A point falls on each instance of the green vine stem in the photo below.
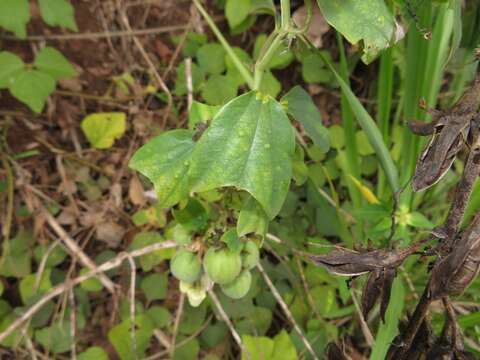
(262, 63)
(246, 74)
(285, 14)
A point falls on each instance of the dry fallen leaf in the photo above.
(136, 192)
(318, 25)
(110, 232)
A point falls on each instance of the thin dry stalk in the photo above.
(160, 83)
(188, 77)
(73, 324)
(178, 317)
(76, 251)
(60, 289)
(286, 310)
(367, 334)
(133, 274)
(225, 318)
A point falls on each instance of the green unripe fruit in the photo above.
(239, 287)
(185, 266)
(250, 255)
(222, 266)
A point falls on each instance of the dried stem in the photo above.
(60, 289)
(225, 317)
(286, 310)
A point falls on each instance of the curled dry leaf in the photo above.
(379, 286)
(454, 273)
(449, 130)
(136, 192)
(110, 232)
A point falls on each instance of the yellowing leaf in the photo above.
(101, 129)
(367, 194)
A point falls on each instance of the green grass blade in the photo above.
(368, 125)
(353, 165)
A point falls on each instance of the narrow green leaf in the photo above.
(14, 16)
(51, 61)
(371, 130)
(101, 129)
(165, 161)
(387, 331)
(303, 109)
(249, 145)
(10, 66)
(32, 87)
(58, 13)
(252, 218)
(367, 21)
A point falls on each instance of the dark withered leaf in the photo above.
(388, 277)
(334, 352)
(372, 291)
(351, 263)
(421, 128)
(440, 353)
(453, 274)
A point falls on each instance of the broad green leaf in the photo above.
(18, 262)
(27, 285)
(418, 220)
(165, 161)
(387, 331)
(193, 216)
(211, 58)
(14, 16)
(252, 218)
(368, 21)
(363, 146)
(32, 87)
(283, 347)
(237, 11)
(10, 66)
(51, 61)
(56, 338)
(101, 129)
(160, 316)
(54, 257)
(370, 128)
(249, 145)
(302, 108)
(201, 113)
(256, 322)
(121, 338)
(214, 334)
(188, 351)
(58, 13)
(258, 347)
(219, 89)
(93, 353)
(154, 286)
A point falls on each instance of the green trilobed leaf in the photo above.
(10, 66)
(32, 87)
(51, 61)
(368, 21)
(249, 145)
(165, 161)
(14, 16)
(58, 13)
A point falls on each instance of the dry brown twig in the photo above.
(60, 289)
(225, 318)
(178, 317)
(286, 310)
(76, 251)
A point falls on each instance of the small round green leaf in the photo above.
(101, 129)
(219, 89)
